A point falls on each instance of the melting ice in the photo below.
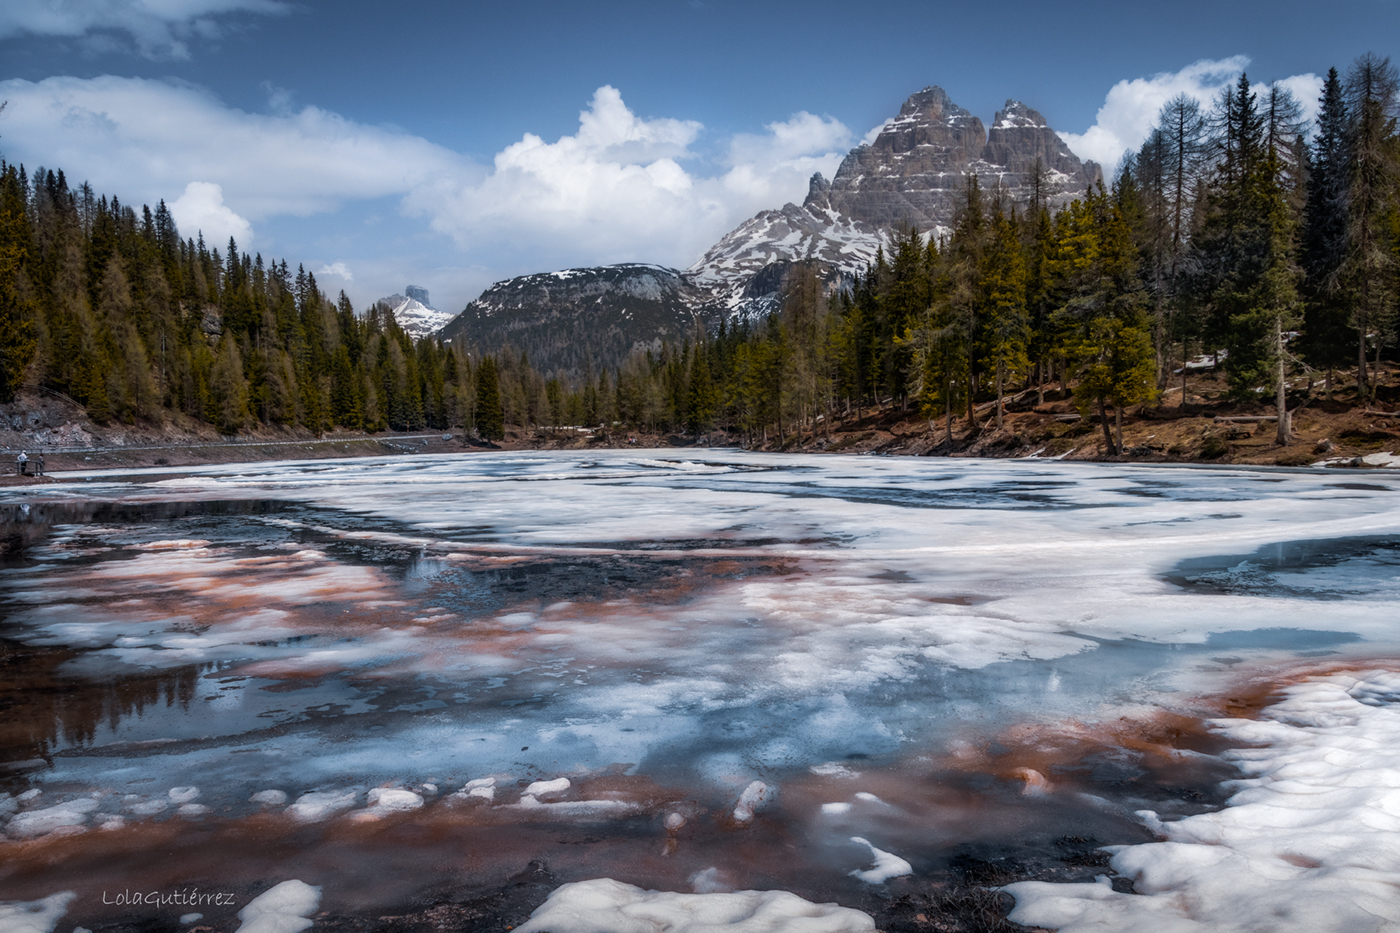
(559, 638)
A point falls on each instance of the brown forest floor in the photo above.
(1338, 430)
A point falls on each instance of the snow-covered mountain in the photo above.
(772, 240)
(414, 313)
(912, 173)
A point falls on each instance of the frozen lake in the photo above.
(948, 663)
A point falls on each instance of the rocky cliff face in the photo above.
(1018, 139)
(916, 169)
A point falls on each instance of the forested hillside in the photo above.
(1236, 232)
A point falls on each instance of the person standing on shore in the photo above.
(22, 461)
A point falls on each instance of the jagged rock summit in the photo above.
(913, 172)
(415, 312)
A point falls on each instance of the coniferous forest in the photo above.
(1238, 233)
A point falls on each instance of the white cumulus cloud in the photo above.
(1130, 110)
(338, 269)
(144, 139)
(770, 168)
(621, 188)
(159, 28)
(201, 210)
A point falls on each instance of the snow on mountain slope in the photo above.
(812, 232)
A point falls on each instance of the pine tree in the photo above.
(228, 388)
(1327, 338)
(1008, 324)
(1106, 326)
(701, 393)
(1372, 99)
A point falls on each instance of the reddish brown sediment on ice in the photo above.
(979, 791)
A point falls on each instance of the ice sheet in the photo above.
(710, 620)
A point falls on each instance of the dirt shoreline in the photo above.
(1208, 428)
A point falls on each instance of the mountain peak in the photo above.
(419, 294)
(914, 171)
(413, 312)
(1016, 113)
(818, 192)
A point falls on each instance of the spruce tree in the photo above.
(1008, 324)
(1327, 336)
(1373, 99)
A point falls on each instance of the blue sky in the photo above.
(451, 145)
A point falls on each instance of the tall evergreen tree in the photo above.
(1327, 336)
(1371, 91)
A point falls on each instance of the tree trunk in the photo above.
(1183, 378)
(1118, 425)
(1001, 369)
(1361, 358)
(1107, 431)
(948, 400)
(1285, 432)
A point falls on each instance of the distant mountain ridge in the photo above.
(580, 317)
(912, 173)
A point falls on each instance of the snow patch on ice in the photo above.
(283, 908)
(39, 916)
(547, 788)
(320, 805)
(393, 799)
(750, 800)
(65, 816)
(1310, 843)
(887, 865)
(606, 906)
